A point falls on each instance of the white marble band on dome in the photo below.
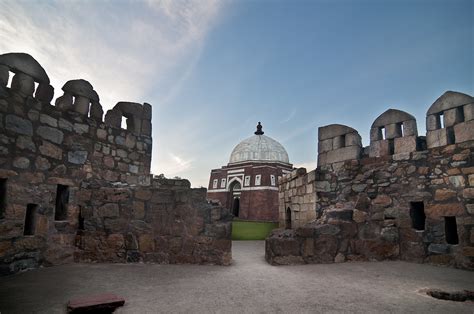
(259, 148)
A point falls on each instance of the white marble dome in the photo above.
(259, 147)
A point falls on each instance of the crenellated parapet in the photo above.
(74, 187)
(338, 143)
(80, 96)
(138, 117)
(450, 120)
(393, 132)
(404, 197)
(27, 71)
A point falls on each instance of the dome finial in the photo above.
(259, 129)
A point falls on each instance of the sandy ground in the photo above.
(250, 285)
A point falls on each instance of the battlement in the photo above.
(395, 132)
(403, 197)
(73, 131)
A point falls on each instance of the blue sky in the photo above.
(212, 70)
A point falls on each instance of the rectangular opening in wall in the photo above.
(417, 215)
(391, 146)
(3, 197)
(10, 78)
(402, 129)
(81, 220)
(450, 137)
(30, 219)
(441, 120)
(460, 113)
(451, 230)
(123, 124)
(62, 199)
(382, 132)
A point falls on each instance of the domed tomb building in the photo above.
(248, 185)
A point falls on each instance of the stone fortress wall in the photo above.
(403, 197)
(75, 186)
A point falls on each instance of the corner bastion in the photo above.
(76, 187)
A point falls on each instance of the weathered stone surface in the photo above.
(50, 134)
(18, 125)
(437, 211)
(51, 150)
(21, 162)
(438, 248)
(436, 138)
(78, 157)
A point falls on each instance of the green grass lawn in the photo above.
(251, 230)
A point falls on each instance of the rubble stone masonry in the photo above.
(75, 187)
(399, 198)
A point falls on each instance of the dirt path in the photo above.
(248, 286)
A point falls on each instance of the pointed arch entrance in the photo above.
(235, 188)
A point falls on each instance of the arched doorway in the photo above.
(288, 218)
(235, 190)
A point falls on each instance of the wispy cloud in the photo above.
(123, 50)
(174, 165)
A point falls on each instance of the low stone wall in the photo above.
(415, 206)
(167, 222)
(297, 198)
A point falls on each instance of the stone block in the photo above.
(44, 118)
(468, 112)
(393, 130)
(322, 159)
(436, 138)
(406, 144)
(410, 128)
(438, 248)
(379, 148)
(438, 211)
(464, 131)
(51, 150)
(376, 134)
(78, 157)
(433, 122)
(324, 146)
(102, 303)
(452, 117)
(343, 154)
(50, 134)
(338, 142)
(468, 193)
(353, 139)
(18, 125)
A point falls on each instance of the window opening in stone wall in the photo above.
(391, 146)
(258, 179)
(62, 199)
(3, 197)
(450, 137)
(214, 184)
(123, 123)
(30, 219)
(382, 132)
(402, 129)
(223, 183)
(288, 218)
(36, 86)
(81, 220)
(460, 113)
(417, 215)
(10, 78)
(441, 120)
(451, 230)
